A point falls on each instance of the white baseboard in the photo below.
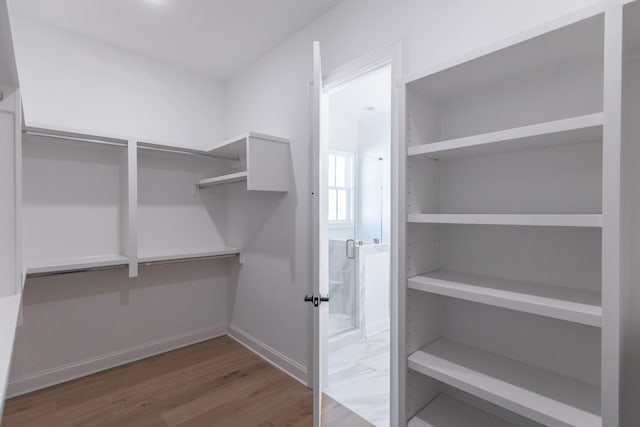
(277, 359)
(82, 368)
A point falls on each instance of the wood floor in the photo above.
(214, 383)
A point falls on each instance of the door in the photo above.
(320, 241)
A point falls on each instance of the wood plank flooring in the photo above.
(214, 383)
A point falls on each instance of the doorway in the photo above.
(358, 195)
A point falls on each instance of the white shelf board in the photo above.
(223, 179)
(445, 411)
(586, 128)
(235, 145)
(160, 257)
(547, 220)
(548, 398)
(71, 264)
(574, 305)
(9, 311)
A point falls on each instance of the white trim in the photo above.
(17, 144)
(611, 214)
(60, 374)
(274, 357)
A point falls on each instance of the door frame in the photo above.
(391, 55)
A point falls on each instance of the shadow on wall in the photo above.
(214, 200)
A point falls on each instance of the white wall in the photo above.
(273, 96)
(78, 323)
(74, 82)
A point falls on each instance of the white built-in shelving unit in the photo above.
(95, 201)
(512, 245)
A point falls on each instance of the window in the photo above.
(340, 184)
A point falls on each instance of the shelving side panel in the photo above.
(423, 185)
(175, 217)
(268, 165)
(421, 329)
(611, 214)
(630, 210)
(423, 120)
(423, 249)
(72, 201)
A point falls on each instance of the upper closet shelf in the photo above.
(263, 161)
(545, 220)
(574, 305)
(68, 265)
(445, 411)
(548, 398)
(559, 132)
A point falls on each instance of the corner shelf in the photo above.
(224, 179)
(446, 411)
(549, 398)
(573, 305)
(68, 265)
(263, 161)
(546, 220)
(573, 130)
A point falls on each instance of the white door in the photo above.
(319, 299)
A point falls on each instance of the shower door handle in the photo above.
(353, 248)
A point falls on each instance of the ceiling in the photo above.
(217, 37)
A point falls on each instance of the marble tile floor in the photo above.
(359, 378)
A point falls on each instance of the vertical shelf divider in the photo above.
(132, 207)
(611, 231)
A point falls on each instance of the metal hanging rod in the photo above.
(125, 265)
(77, 270)
(197, 258)
(188, 151)
(81, 137)
(68, 136)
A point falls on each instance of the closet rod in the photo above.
(188, 151)
(201, 258)
(75, 137)
(77, 270)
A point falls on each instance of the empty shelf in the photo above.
(64, 265)
(182, 256)
(559, 132)
(574, 305)
(445, 411)
(546, 397)
(547, 220)
(223, 179)
(9, 310)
